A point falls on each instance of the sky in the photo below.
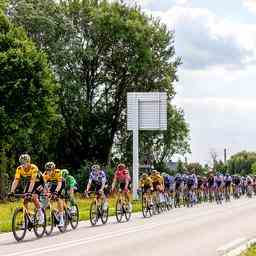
(217, 42)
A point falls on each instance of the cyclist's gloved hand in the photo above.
(86, 193)
(126, 190)
(28, 196)
(55, 195)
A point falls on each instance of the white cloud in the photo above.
(251, 5)
(204, 40)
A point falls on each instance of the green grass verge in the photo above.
(7, 209)
(250, 252)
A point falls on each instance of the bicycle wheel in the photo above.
(94, 215)
(168, 205)
(127, 211)
(49, 221)
(19, 224)
(39, 229)
(119, 210)
(104, 215)
(74, 217)
(145, 206)
(65, 218)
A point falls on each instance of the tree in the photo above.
(99, 51)
(27, 98)
(242, 162)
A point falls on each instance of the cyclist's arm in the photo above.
(14, 185)
(16, 180)
(114, 182)
(104, 180)
(58, 186)
(88, 185)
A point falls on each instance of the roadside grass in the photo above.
(250, 252)
(7, 209)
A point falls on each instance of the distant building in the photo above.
(172, 165)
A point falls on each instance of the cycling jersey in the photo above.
(54, 177)
(168, 180)
(31, 172)
(157, 178)
(146, 182)
(98, 177)
(70, 182)
(122, 175)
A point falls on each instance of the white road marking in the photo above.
(118, 233)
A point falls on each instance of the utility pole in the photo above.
(225, 155)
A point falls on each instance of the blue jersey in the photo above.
(168, 180)
(98, 177)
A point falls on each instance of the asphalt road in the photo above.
(204, 230)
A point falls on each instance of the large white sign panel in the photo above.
(145, 111)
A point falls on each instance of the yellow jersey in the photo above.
(54, 177)
(146, 182)
(31, 172)
(157, 178)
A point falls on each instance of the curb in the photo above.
(239, 248)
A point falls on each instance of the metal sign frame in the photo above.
(145, 111)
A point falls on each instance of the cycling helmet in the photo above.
(164, 174)
(95, 167)
(144, 175)
(64, 173)
(154, 172)
(24, 159)
(121, 166)
(49, 166)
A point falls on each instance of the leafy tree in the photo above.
(27, 98)
(242, 162)
(100, 51)
(253, 168)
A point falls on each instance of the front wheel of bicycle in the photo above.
(104, 215)
(145, 206)
(119, 210)
(65, 218)
(74, 217)
(49, 221)
(19, 224)
(39, 229)
(94, 215)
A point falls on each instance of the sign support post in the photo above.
(135, 177)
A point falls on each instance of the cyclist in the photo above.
(219, 183)
(34, 183)
(249, 185)
(123, 179)
(158, 184)
(56, 185)
(227, 182)
(211, 184)
(70, 188)
(168, 182)
(146, 183)
(98, 183)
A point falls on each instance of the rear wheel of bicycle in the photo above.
(19, 224)
(104, 216)
(39, 229)
(74, 217)
(94, 215)
(49, 221)
(119, 210)
(65, 218)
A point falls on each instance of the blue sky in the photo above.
(217, 42)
